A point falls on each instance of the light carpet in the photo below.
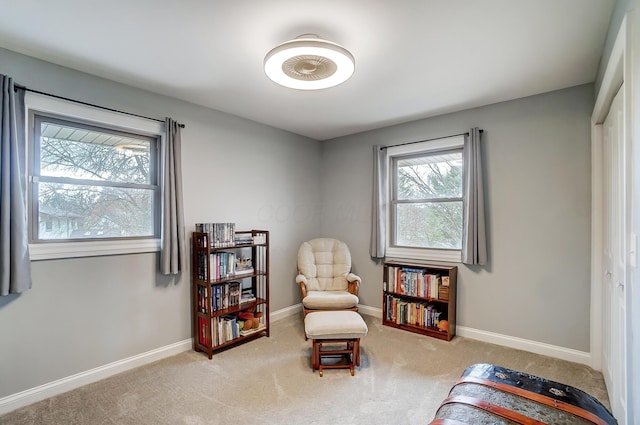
(402, 379)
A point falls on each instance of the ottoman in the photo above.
(335, 333)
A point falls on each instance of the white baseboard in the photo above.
(507, 341)
(370, 311)
(285, 312)
(32, 395)
(558, 352)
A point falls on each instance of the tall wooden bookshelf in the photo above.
(416, 296)
(229, 278)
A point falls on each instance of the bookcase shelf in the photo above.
(417, 295)
(218, 290)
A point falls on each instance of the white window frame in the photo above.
(426, 254)
(40, 104)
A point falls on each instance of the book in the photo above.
(253, 330)
(240, 272)
(234, 293)
(244, 238)
(202, 323)
(443, 293)
(247, 296)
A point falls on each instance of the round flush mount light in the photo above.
(309, 63)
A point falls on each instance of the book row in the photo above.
(223, 265)
(402, 312)
(223, 329)
(220, 234)
(223, 296)
(416, 282)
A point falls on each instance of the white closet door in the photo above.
(616, 218)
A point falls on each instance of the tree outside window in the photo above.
(427, 200)
(94, 182)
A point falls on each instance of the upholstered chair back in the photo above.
(325, 262)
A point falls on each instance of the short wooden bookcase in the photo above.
(417, 296)
(217, 293)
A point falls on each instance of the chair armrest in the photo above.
(302, 281)
(354, 283)
(353, 277)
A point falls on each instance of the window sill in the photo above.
(435, 255)
(55, 250)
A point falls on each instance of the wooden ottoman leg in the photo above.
(319, 359)
(352, 356)
(315, 355)
(357, 351)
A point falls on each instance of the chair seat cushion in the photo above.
(329, 300)
(334, 325)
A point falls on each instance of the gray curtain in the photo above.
(379, 203)
(15, 264)
(173, 253)
(474, 243)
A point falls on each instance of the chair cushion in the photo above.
(334, 325)
(329, 300)
(325, 262)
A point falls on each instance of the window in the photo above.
(94, 181)
(426, 200)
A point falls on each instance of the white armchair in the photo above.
(324, 276)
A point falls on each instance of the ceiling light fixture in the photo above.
(309, 63)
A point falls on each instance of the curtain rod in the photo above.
(18, 86)
(427, 140)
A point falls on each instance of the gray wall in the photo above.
(88, 312)
(536, 154)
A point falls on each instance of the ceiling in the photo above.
(414, 58)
